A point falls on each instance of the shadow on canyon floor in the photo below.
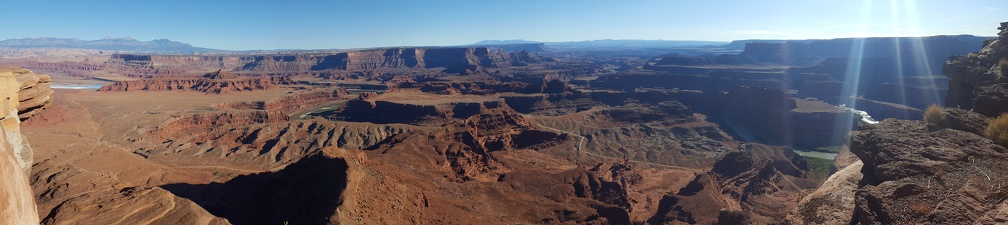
(306, 192)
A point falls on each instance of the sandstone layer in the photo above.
(448, 59)
(34, 94)
(15, 158)
(70, 195)
(212, 83)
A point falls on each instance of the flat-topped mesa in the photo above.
(211, 83)
(453, 60)
(449, 59)
(187, 125)
(220, 75)
(137, 65)
(289, 103)
(789, 53)
(414, 108)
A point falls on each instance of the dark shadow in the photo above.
(306, 192)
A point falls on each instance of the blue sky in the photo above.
(246, 25)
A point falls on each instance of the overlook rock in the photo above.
(978, 82)
(15, 157)
(915, 175)
(34, 94)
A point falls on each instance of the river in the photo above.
(76, 86)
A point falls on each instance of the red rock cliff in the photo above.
(16, 198)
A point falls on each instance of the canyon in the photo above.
(505, 134)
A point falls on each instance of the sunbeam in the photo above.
(848, 96)
(894, 18)
(921, 61)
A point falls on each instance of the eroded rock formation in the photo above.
(915, 174)
(289, 103)
(978, 82)
(211, 83)
(34, 94)
(758, 184)
(832, 202)
(69, 195)
(369, 108)
(18, 202)
(449, 59)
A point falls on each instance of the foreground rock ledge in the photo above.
(17, 203)
(915, 174)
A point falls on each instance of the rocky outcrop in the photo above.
(551, 104)
(914, 174)
(500, 129)
(833, 202)
(18, 202)
(34, 94)
(216, 86)
(257, 139)
(364, 109)
(69, 195)
(759, 183)
(978, 82)
(525, 86)
(306, 192)
(289, 103)
(188, 124)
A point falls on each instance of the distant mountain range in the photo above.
(504, 42)
(162, 46)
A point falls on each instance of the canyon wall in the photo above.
(362, 110)
(217, 86)
(18, 202)
(452, 59)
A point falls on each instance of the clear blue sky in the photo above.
(245, 25)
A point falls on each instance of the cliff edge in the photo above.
(919, 173)
(16, 198)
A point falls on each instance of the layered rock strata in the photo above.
(34, 94)
(18, 202)
(216, 86)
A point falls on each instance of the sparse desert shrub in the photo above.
(934, 114)
(921, 208)
(998, 129)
